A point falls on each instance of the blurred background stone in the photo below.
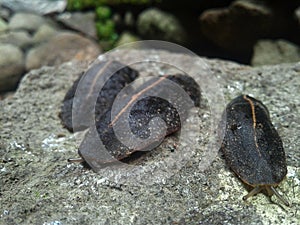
(126, 38)
(61, 48)
(228, 29)
(3, 26)
(37, 6)
(21, 38)
(237, 27)
(268, 52)
(4, 13)
(44, 33)
(26, 21)
(156, 24)
(297, 15)
(82, 22)
(11, 66)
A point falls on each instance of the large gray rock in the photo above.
(39, 186)
(63, 47)
(268, 52)
(11, 66)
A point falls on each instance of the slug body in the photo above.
(141, 109)
(140, 114)
(252, 147)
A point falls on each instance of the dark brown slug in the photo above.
(252, 147)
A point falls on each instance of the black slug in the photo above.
(87, 91)
(140, 115)
(155, 97)
(252, 147)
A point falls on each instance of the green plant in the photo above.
(87, 4)
(103, 12)
(105, 26)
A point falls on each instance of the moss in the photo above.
(103, 12)
(105, 29)
(80, 4)
(105, 26)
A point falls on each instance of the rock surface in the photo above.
(268, 52)
(38, 186)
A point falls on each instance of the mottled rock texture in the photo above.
(39, 186)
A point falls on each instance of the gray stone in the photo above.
(63, 47)
(21, 39)
(26, 21)
(129, 19)
(11, 67)
(36, 6)
(3, 26)
(83, 22)
(44, 33)
(156, 24)
(126, 38)
(4, 13)
(297, 15)
(39, 186)
(267, 52)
